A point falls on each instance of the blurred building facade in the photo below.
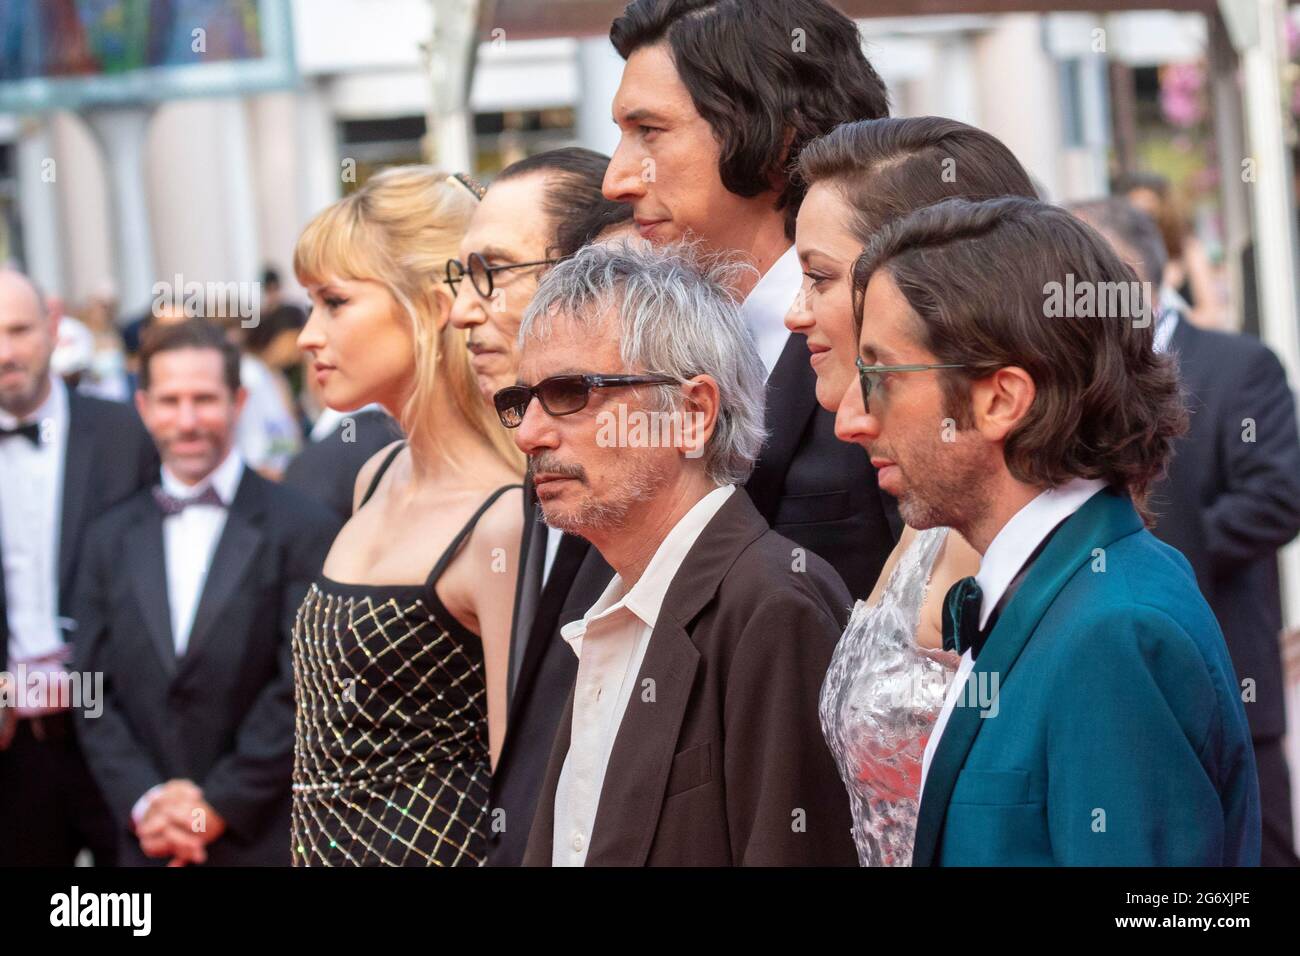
(230, 182)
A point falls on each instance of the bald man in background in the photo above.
(66, 458)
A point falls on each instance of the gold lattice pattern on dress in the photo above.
(390, 754)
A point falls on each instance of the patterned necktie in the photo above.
(30, 430)
(961, 618)
(171, 505)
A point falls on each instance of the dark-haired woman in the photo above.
(887, 679)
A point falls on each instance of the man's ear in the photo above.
(699, 413)
(241, 397)
(1000, 401)
(141, 404)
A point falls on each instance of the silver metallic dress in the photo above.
(879, 702)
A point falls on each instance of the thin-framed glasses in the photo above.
(563, 394)
(869, 376)
(480, 273)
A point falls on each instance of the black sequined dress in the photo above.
(391, 760)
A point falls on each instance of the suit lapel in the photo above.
(240, 541)
(632, 795)
(541, 837)
(791, 398)
(1183, 336)
(1103, 519)
(529, 591)
(642, 755)
(148, 573)
(76, 486)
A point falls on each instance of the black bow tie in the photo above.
(29, 430)
(171, 505)
(961, 618)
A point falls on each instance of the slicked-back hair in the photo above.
(759, 71)
(196, 333)
(977, 276)
(886, 168)
(573, 203)
(673, 317)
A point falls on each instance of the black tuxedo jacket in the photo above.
(1232, 499)
(716, 767)
(810, 487)
(109, 457)
(327, 469)
(222, 714)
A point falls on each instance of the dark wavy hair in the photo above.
(885, 168)
(573, 203)
(194, 333)
(764, 93)
(977, 275)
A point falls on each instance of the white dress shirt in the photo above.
(190, 539)
(31, 519)
(1002, 561)
(610, 641)
(1172, 306)
(764, 309)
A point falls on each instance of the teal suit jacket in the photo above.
(1114, 731)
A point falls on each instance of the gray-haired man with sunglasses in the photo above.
(691, 735)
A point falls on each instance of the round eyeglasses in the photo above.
(869, 376)
(480, 273)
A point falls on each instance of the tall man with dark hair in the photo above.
(64, 460)
(1095, 717)
(1231, 499)
(186, 603)
(716, 101)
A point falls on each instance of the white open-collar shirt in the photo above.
(610, 641)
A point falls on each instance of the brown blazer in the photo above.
(721, 761)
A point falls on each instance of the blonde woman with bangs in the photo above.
(401, 645)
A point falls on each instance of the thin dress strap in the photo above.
(374, 482)
(459, 540)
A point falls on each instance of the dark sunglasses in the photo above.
(480, 273)
(869, 376)
(563, 394)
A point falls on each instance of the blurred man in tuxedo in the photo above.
(186, 605)
(65, 459)
(340, 444)
(1231, 499)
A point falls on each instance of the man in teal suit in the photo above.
(1010, 391)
